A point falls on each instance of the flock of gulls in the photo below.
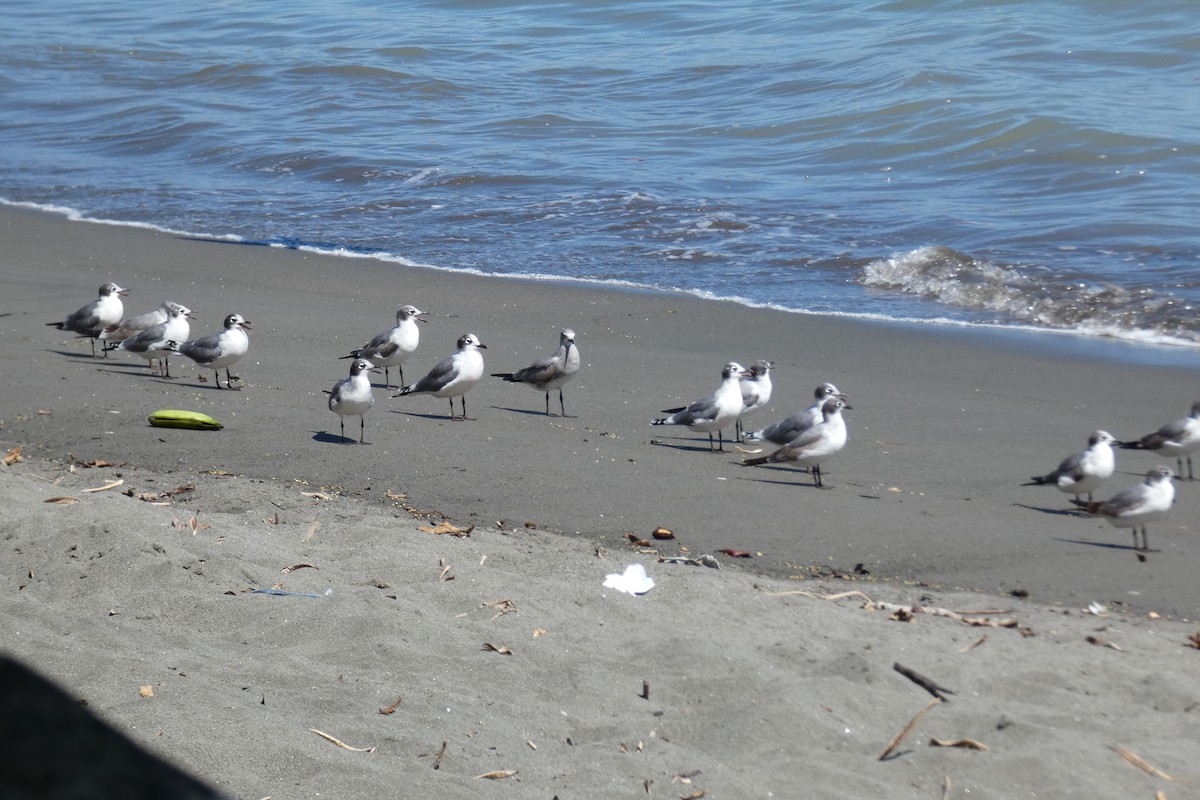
(805, 439)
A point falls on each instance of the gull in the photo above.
(1180, 438)
(120, 331)
(1133, 507)
(756, 391)
(97, 315)
(454, 375)
(1083, 471)
(393, 347)
(222, 349)
(788, 428)
(715, 412)
(550, 372)
(817, 444)
(353, 395)
(158, 340)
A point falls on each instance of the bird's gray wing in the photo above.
(1171, 432)
(1071, 467)
(85, 319)
(202, 350)
(442, 373)
(540, 371)
(1124, 501)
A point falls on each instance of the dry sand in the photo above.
(754, 691)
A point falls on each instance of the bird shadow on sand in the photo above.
(81, 356)
(325, 437)
(429, 415)
(802, 480)
(531, 412)
(691, 445)
(1058, 512)
(1105, 545)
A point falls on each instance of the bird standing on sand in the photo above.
(454, 375)
(132, 326)
(353, 395)
(550, 372)
(1180, 438)
(1148, 501)
(756, 392)
(157, 341)
(97, 315)
(222, 349)
(816, 445)
(1083, 471)
(788, 428)
(712, 413)
(393, 347)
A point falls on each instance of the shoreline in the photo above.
(944, 430)
(1099, 346)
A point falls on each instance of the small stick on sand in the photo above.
(908, 729)
(340, 743)
(974, 644)
(1135, 760)
(927, 684)
(107, 486)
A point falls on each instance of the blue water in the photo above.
(1029, 163)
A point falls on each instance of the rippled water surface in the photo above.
(1011, 162)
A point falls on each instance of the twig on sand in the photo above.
(340, 743)
(909, 728)
(927, 684)
(107, 486)
(1134, 759)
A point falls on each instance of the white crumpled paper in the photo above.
(633, 580)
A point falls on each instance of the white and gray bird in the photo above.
(353, 396)
(715, 412)
(97, 315)
(756, 391)
(132, 326)
(393, 347)
(219, 350)
(1148, 501)
(454, 375)
(550, 372)
(158, 341)
(1083, 471)
(788, 428)
(816, 445)
(1180, 438)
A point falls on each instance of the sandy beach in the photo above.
(501, 652)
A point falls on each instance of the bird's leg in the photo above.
(229, 379)
(562, 405)
(816, 472)
(547, 402)
(342, 423)
(361, 433)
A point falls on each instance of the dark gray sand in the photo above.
(752, 692)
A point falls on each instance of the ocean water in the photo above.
(1031, 163)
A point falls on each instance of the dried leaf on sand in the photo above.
(445, 526)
